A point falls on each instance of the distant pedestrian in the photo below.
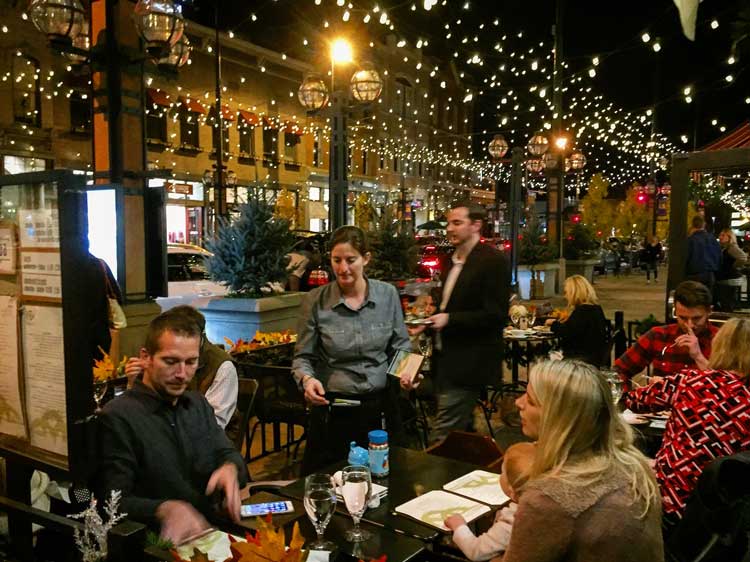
(729, 277)
(651, 254)
(703, 255)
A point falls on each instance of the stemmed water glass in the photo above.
(320, 503)
(356, 486)
(100, 389)
(615, 385)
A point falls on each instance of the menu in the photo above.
(40, 274)
(39, 228)
(44, 370)
(7, 249)
(434, 507)
(11, 406)
(479, 485)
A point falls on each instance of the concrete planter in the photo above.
(241, 318)
(581, 267)
(547, 272)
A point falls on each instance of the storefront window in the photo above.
(22, 164)
(247, 140)
(189, 123)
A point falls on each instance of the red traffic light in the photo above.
(641, 198)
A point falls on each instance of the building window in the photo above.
(364, 162)
(314, 194)
(80, 113)
(189, 128)
(395, 163)
(291, 140)
(270, 143)
(156, 126)
(419, 166)
(247, 139)
(404, 97)
(27, 95)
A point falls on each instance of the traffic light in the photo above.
(641, 197)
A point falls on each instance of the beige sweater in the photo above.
(560, 522)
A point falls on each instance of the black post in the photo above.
(515, 210)
(220, 198)
(337, 165)
(114, 98)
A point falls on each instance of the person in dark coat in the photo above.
(651, 253)
(703, 255)
(585, 333)
(468, 327)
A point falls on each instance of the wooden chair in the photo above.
(238, 429)
(469, 447)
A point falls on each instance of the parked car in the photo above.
(187, 276)
(609, 256)
(433, 259)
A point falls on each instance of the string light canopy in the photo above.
(160, 24)
(312, 93)
(498, 147)
(366, 84)
(60, 20)
(179, 53)
(538, 145)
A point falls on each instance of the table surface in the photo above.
(412, 473)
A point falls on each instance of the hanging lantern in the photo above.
(538, 145)
(577, 160)
(366, 84)
(535, 165)
(58, 19)
(313, 93)
(178, 55)
(160, 25)
(82, 41)
(498, 147)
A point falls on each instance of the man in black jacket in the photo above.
(468, 328)
(160, 444)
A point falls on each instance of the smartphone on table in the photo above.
(255, 509)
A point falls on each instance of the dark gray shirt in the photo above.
(349, 350)
(153, 451)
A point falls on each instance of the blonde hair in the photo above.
(730, 348)
(732, 236)
(579, 291)
(517, 462)
(581, 435)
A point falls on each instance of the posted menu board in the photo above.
(11, 404)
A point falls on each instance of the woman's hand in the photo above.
(315, 394)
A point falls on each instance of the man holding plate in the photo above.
(468, 327)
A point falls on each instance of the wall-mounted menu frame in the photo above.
(8, 247)
(53, 362)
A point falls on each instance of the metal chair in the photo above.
(238, 429)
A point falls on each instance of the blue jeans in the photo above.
(455, 410)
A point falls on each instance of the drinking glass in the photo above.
(100, 389)
(320, 503)
(356, 487)
(615, 385)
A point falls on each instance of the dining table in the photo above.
(412, 473)
(522, 347)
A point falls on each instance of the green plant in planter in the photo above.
(580, 243)
(250, 252)
(533, 246)
(394, 255)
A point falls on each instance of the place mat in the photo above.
(433, 507)
(481, 486)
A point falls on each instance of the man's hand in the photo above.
(407, 383)
(416, 330)
(454, 521)
(315, 394)
(689, 340)
(439, 321)
(179, 521)
(225, 478)
(133, 368)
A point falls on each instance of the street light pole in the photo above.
(515, 209)
(220, 198)
(337, 166)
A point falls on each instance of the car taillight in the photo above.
(318, 277)
(506, 245)
(431, 262)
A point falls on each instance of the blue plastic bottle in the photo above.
(378, 453)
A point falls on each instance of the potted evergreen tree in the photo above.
(250, 257)
(579, 251)
(537, 271)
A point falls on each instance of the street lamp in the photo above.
(160, 25)
(538, 144)
(365, 87)
(178, 54)
(498, 146)
(60, 20)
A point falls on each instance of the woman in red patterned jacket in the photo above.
(710, 416)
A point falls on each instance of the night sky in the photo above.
(630, 75)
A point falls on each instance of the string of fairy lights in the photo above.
(511, 69)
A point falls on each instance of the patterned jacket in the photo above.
(710, 418)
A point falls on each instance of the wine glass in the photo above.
(356, 487)
(320, 503)
(100, 389)
(615, 385)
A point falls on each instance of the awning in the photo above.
(158, 97)
(249, 118)
(292, 128)
(317, 210)
(192, 105)
(738, 138)
(270, 122)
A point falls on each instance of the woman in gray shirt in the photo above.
(348, 333)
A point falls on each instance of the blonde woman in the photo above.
(584, 334)
(729, 277)
(710, 415)
(590, 495)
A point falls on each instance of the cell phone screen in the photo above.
(251, 510)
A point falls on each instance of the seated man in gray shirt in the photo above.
(160, 443)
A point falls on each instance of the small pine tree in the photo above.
(394, 255)
(250, 252)
(533, 246)
(579, 243)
